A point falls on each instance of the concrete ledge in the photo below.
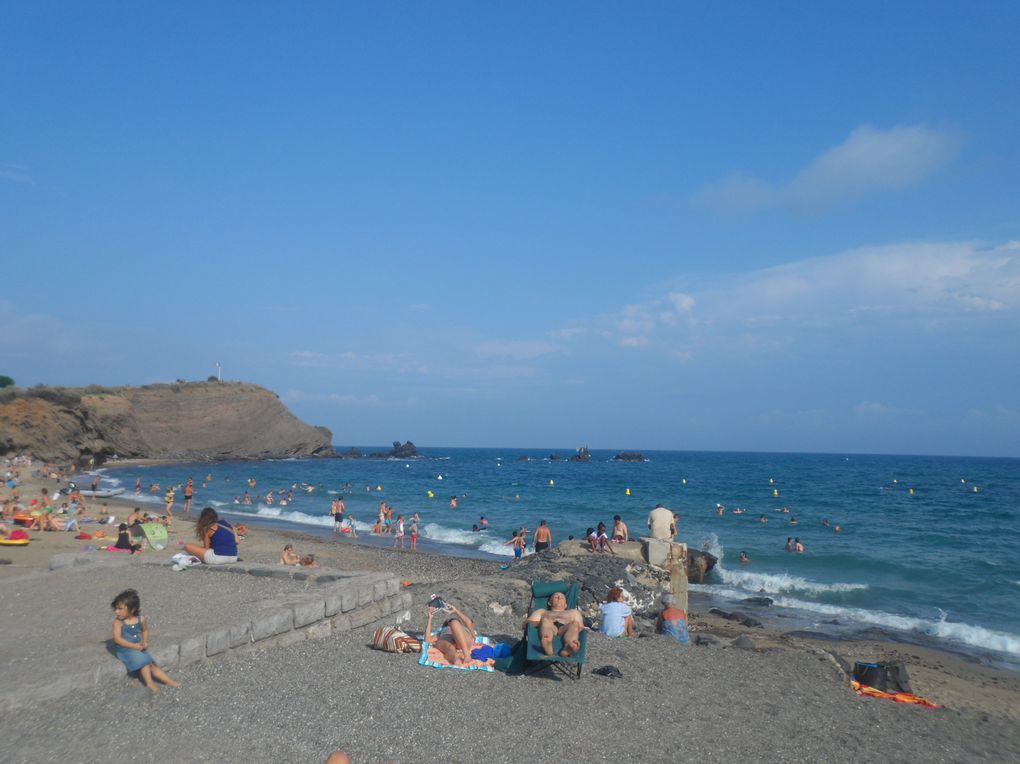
(333, 602)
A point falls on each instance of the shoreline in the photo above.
(737, 692)
(776, 621)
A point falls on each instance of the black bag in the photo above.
(887, 677)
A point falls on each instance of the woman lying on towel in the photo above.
(456, 638)
(558, 621)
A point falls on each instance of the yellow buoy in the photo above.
(552, 482)
(963, 480)
(683, 481)
(378, 488)
(911, 491)
(628, 492)
(775, 491)
(431, 495)
(975, 489)
(772, 481)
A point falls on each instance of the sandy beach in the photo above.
(784, 697)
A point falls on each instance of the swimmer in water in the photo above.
(798, 547)
(744, 559)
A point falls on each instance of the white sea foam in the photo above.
(967, 634)
(293, 516)
(481, 540)
(779, 583)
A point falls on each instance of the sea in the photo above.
(927, 550)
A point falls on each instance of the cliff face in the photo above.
(191, 420)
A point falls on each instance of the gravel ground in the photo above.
(71, 608)
(299, 703)
(673, 703)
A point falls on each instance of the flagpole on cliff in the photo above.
(219, 372)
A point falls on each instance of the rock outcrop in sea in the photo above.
(187, 421)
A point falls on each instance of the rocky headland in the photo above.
(182, 421)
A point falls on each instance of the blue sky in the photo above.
(744, 226)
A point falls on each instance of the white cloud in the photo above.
(927, 284)
(870, 159)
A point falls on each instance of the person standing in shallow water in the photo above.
(543, 537)
(189, 494)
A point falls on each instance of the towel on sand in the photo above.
(432, 657)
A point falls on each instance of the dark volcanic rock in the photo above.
(629, 456)
(582, 455)
(403, 450)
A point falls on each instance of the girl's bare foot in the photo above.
(172, 682)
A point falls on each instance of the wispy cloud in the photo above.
(928, 283)
(873, 408)
(870, 159)
(351, 361)
(514, 349)
(16, 174)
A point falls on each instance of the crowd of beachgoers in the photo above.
(38, 500)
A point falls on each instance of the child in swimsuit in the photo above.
(131, 636)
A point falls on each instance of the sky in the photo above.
(716, 226)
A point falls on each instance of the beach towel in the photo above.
(432, 657)
(899, 697)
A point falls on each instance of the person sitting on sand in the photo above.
(124, 540)
(219, 540)
(558, 621)
(456, 637)
(308, 561)
(289, 556)
(617, 615)
(672, 621)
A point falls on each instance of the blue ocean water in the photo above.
(927, 548)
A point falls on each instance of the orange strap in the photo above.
(899, 697)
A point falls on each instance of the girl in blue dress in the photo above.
(131, 636)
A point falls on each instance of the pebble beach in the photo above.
(775, 695)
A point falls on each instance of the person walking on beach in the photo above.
(168, 497)
(542, 537)
(398, 535)
(660, 523)
(131, 637)
(414, 533)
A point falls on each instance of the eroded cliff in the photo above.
(186, 421)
